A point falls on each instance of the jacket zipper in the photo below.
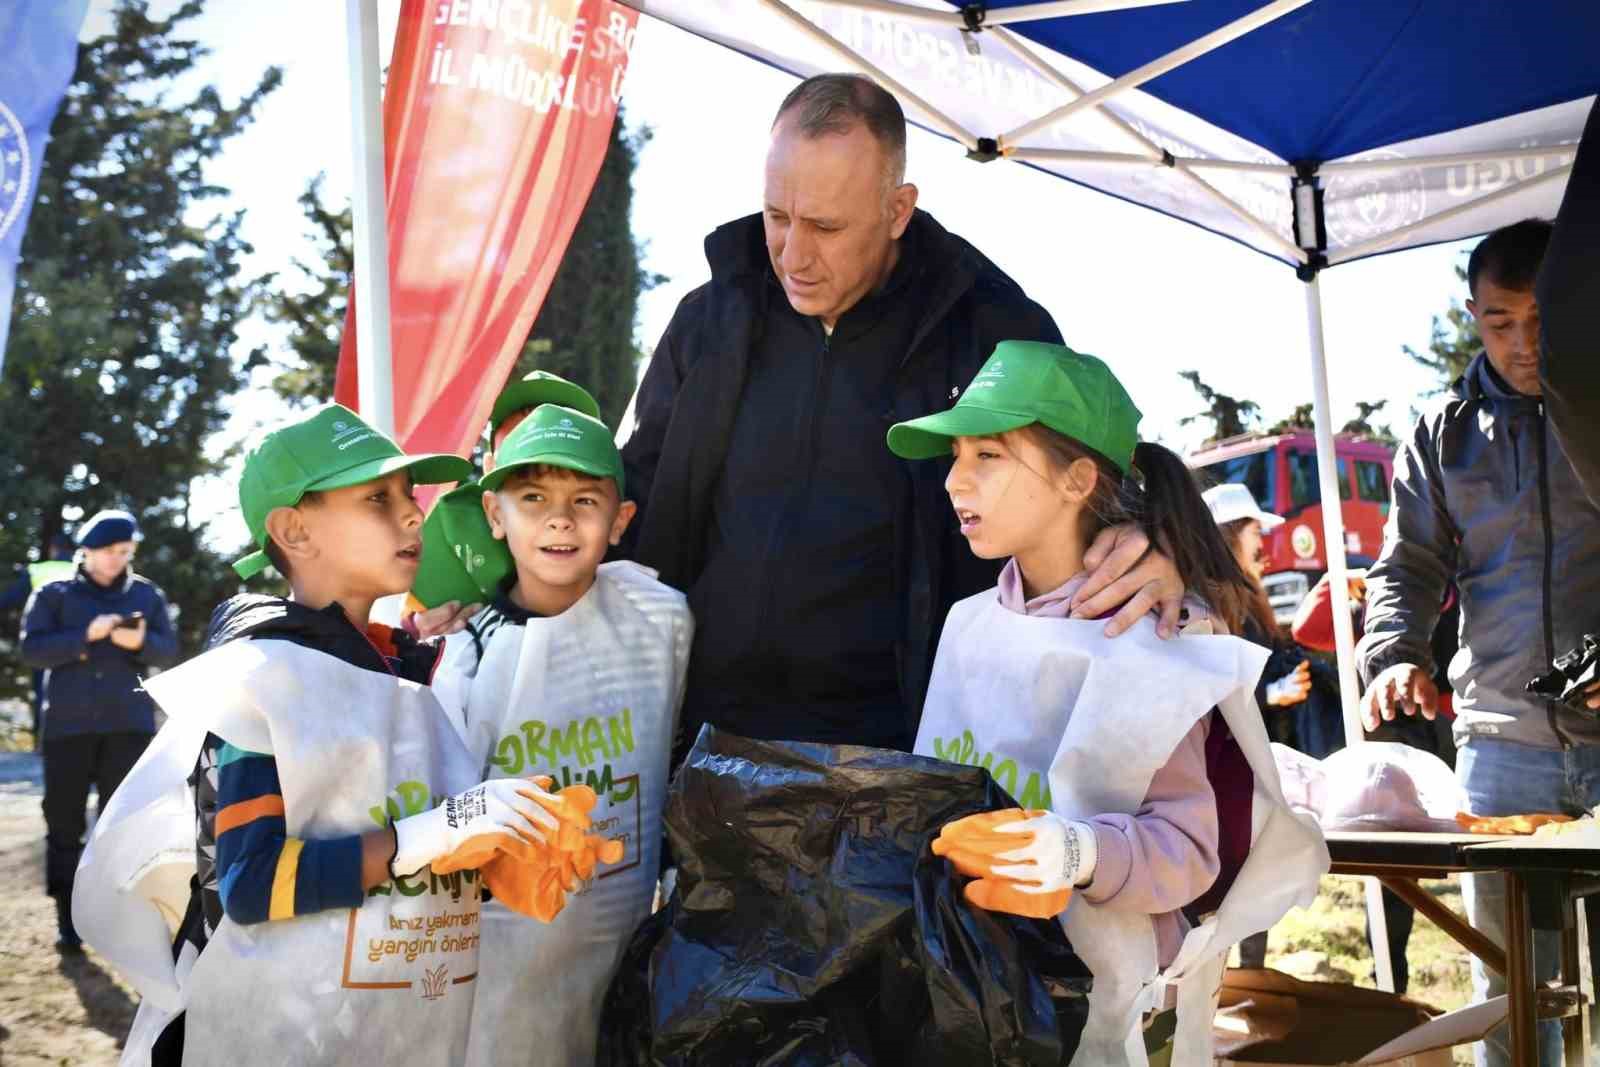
(802, 487)
(1549, 556)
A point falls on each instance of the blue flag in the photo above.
(38, 51)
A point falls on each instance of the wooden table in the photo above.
(1544, 880)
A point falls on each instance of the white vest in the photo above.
(390, 981)
(592, 696)
(1066, 718)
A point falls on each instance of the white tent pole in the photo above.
(950, 127)
(1159, 66)
(374, 359)
(1456, 159)
(1026, 13)
(1137, 159)
(1339, 587)
(1332, 517)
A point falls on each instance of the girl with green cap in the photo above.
(1104, 742)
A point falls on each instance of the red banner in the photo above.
(496, 119)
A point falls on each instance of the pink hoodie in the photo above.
(1163, 856)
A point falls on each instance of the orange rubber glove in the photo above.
(537, 886)
(1024, 862)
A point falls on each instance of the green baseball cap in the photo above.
(540, 387)
(329, 449)
(1025, 382)
(559, 437)
(461, 558)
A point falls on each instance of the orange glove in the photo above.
(1024, 862)
(536, 886)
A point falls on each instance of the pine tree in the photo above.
(126, 310)
(315, 317)
(1363, 424)
(1455, 341)
(1229, 416)
(585, 328)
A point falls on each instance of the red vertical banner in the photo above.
(496, 118)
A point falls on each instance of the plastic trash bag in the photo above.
(1378, 785)
(812, 925)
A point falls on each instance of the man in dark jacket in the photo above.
(819, 566)
(1485, 495)
(1569, 303)
(95, 634)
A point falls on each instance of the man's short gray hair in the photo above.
(836, 103)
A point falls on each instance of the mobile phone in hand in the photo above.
(130, 622)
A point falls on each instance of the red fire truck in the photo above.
(1280, 470)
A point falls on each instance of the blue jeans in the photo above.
(1501, 778)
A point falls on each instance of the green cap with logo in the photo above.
(557, 436)
(540, 387)
(461, 558)
(1025, 382)
(329, 449)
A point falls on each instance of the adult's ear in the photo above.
(902, 203)
(288, 530)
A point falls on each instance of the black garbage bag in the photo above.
(812, 924)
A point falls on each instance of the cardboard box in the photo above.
(1268, 1017)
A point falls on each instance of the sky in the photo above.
(1151, 295)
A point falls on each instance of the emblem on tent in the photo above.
(15, 166)
(1362, 205)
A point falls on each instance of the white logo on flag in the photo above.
(15, 166)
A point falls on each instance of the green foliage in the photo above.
(1455, 342)
(1363, 423)
(1301, 418)
(127, 305)
(315, 317)
(1229, 416)
(584, 331)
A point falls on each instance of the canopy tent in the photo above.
(1316, 132)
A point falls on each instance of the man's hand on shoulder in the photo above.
(1128, 576)
(1403, 687)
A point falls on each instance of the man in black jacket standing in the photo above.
(819, 566)
(96, 633)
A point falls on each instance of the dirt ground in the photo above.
(53, 1010)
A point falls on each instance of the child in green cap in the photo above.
(575, 670)
(1104, 742)
(326, 779)
(452, 586)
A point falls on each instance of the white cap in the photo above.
(1231, 501)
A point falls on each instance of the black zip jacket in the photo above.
(1569, 314)
(713, 387)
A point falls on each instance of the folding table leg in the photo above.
(1575, 1029)
(1524, 1029)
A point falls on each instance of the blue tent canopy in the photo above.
(1334, 79)
(1413, 121)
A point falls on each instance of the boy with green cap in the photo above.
(454, 583)
(327, 780)
(576, 671)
